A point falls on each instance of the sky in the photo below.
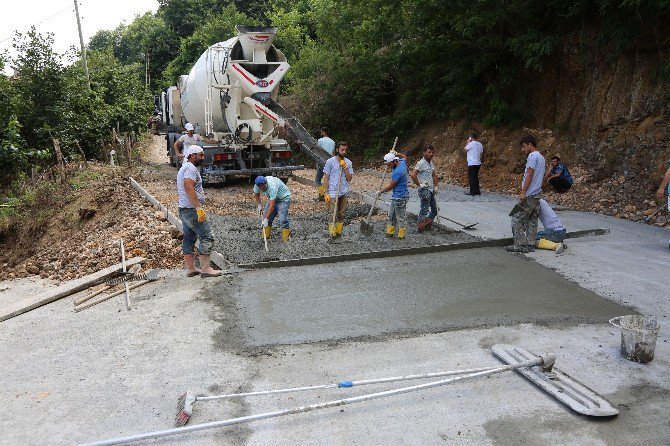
(58, 17)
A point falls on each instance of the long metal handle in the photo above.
(338, 197)
(123, 263)
(309, 408)
(372, 208)
(345, 384)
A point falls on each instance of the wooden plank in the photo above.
(67, 289)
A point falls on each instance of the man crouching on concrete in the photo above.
(193, 216)
(279, 200)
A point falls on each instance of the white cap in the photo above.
(189, 126)
(190, 150)
(390, 157)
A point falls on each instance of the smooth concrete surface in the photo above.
(407, 295)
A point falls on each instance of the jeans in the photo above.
(524, 221)
(560, 185)
(427, 202)
(551, 235)
(281, 209)
(397, 215)
(473, 179)
(195, 230)
(319, 173)
(341, 207)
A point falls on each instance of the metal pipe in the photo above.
(309, 408)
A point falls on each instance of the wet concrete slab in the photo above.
(240, 241)
(407, 296)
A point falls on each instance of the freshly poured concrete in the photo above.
(409, 295)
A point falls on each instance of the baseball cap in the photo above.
(390, 157)
(188, 126)
(190, 150)
(260, 180)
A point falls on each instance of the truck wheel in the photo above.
(173, 158)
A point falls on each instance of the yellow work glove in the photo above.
(343, 164)
(202, 215)
(327, 198)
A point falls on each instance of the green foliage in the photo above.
(217, 28)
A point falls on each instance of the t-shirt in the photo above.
(276, 189)
(475, 149)
(535, 161)
(549, 218)
(399, 175)
(188, 170)
(563, 172)
(333, 170)
(188, 141)
(425, 172)
(327, 144)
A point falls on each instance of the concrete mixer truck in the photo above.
(230, 96)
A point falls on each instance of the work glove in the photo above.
(259, 209)
(202, 215)
(265, 223)
(327, 198)
(343, 164)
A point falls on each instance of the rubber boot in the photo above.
(267, 230)
(390, 230)
(339, 227)
(332, 230)
(428, 223)
(401, 233)
(285, 234)
(205, 268)
(322, 193)
(421, 225)
(189, 261)
(543, 243)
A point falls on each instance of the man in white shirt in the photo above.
(474, 151)
(187, 140)
(327, 144)
(425, 177)
(193, 216)
(338, 169)
(526, 212)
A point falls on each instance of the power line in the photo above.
(42, 21)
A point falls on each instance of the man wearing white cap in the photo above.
(398, 183)
(187, 140)
(192, 214)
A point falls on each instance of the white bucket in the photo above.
(638, 337)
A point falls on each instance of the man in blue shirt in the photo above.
(279, 200)
(559, 176)
(398, 183)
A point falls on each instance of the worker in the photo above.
(526, 212)
(327, 144)
(338, 169)
(397, 216)
(474, 150)
(665, 187)
(193, 216)
(189, 139)
(553, 234)
(279, 200)
(424, 176)
(558, 176)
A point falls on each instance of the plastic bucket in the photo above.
(638, 337)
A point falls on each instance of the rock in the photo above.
(87, 213)
(630, 208)
(32, 269)
(137, 252)
(649, 212)
(175, 234)
(160, 215)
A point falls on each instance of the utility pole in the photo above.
(83, 48)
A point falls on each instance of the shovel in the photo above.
(265, 239)
(366, 227)
(470, 226)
